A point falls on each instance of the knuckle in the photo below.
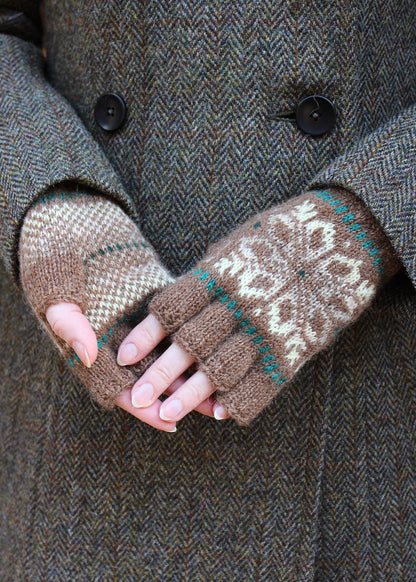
(193, 391)
(147, 336)
(163, 374)
(58, 327)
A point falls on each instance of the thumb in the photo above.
(69, 323)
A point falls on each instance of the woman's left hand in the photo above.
(193, 393)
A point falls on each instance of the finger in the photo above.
(140, 341)
(220, 413)
(171, 364)
(148, 415)
(256, 387)
(194, 391)
(68, 322)
(206, 407)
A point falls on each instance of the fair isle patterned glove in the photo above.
(274, 293)
(84, 249)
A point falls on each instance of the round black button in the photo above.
(315, 115)
(110, 111)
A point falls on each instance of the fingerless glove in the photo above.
(82, 248)
(274, 293)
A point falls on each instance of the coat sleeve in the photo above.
(42, 140)
(381, 170)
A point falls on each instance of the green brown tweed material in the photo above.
(83, 249)
(36, 119)
(205, 79)
(321, 486)
(275, 292)
(370, 167)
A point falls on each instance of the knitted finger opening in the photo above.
(249, 396)
(52, 279)
(231, 362)
(201, 335)
(179, 302)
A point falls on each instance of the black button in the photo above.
(110, 111)
(315, 115)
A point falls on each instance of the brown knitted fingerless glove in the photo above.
(274, 293)
(84, 249)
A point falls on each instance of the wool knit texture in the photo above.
(320, 487)
(275, 292)
(82, 248)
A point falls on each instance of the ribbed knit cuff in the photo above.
(275, 292)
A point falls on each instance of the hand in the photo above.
(165, 376)
(266, 299)
(87, 273)
(68, 322)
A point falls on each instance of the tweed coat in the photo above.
(321, 486)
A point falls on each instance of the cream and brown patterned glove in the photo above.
(83, 249)
(274, 293)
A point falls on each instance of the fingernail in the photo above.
(82, 353)
(220, 413)
(142, 396)
(126, 355)
(171, 410)
(173, 430)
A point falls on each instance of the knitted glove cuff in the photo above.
(83, 248)
(275, 292)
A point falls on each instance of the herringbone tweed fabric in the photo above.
(321, 487)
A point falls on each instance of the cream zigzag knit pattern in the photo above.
(84, 249)
(275, 292)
